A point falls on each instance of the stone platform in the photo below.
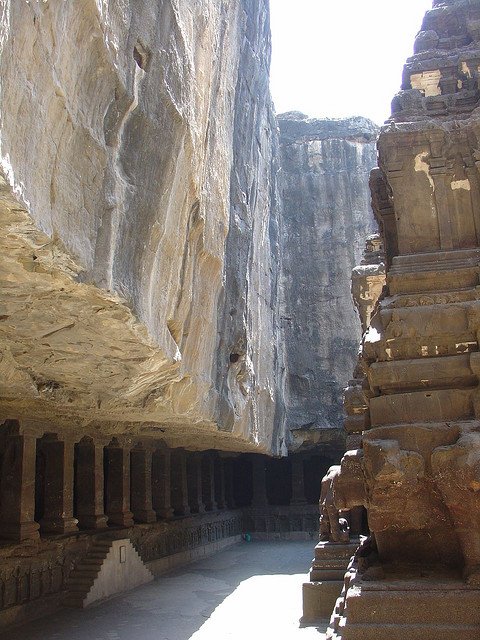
(429, 606)
(326, 579)
(250, 591)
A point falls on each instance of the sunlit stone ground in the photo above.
(251, 591)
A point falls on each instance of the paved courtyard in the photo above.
(247, 592)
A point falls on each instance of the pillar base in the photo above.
(146, 516)
(92, 522)
(67, 525)
(165, 514)
(122, 519)
(18, 532)
(198, 509)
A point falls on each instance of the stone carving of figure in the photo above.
(333, 527)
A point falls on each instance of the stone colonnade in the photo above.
(54, 485)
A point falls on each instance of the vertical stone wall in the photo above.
(325, 219)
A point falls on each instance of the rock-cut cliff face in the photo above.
(326, 219)
(139, 246)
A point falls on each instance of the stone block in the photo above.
(319, 599)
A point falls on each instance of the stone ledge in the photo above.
(164, 565)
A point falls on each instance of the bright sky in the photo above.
(338, 58)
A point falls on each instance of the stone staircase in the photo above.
(82, 578)
(326, 579)
(422, 609)
(110, 567)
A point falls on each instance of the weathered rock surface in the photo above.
(139, 256)
(326, 218)
(416, 410)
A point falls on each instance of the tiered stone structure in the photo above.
(417, 472)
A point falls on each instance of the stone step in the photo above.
(71, 601)
(407, 632)
(319, 599)
(80, 586)
(83, 575)
(102, 548)
(319, 575)
(414, 606)
(90, 563)
(330, 550)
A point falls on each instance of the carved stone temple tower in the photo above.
(418, 471)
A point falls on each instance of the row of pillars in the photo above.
(54, 486)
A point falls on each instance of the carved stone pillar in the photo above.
(117, 483)
(208, 478)
(141, 485)
(259, 481)
(298, 483)
(161, 484)
(194, 473)
(229, 492)
(58, 504)
(442, 179)
(220, 482)
(179, 483)
(89, 483)
(17, 506)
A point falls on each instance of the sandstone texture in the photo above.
(326, 218)
(414, 405)
(139, 257)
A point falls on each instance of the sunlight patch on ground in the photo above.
(267, 606)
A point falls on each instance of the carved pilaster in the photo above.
(179, 483)
(17, 505)
(208, 479)
(58, 489)
(161, 483)
(141, 485)
(117, 459)
(89, 484)
(194, 475)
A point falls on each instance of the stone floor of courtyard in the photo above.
(248, 591)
